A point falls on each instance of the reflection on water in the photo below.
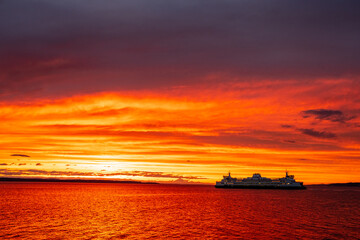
(134, 211)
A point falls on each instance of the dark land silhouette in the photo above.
(5, 179)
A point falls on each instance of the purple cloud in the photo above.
(127, 44)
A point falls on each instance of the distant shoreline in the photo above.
(349, 184)
(4, 179)
(9, 179)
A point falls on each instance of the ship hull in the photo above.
(259, 182)
(287, 187)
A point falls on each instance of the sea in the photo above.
(31, 210)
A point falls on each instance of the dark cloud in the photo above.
(21, 164)
(19, 155)
(3, 164)
(286, 126)
(54, 46)
(38, 164)
(327, 114)
(317, 134)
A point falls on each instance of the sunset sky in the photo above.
(180, 91)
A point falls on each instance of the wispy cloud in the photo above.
(36, 172)
(154, 174)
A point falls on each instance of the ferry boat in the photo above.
(257, 181)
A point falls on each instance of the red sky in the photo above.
(158, 91)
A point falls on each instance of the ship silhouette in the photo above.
(259, 182)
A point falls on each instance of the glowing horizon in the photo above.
(121, 135)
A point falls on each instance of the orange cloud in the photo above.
(203, 133)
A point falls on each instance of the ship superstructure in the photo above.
(257, 181)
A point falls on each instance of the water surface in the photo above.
(136, 211)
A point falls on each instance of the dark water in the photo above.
(134, 211)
